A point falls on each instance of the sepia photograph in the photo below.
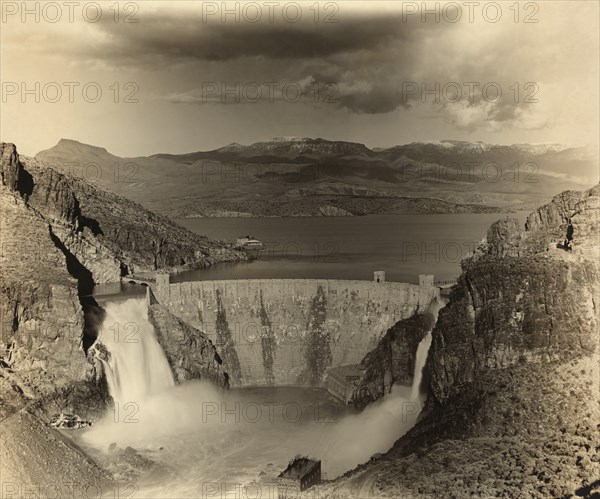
(301, 249)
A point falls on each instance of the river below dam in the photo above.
(403, 246)
(204, 441)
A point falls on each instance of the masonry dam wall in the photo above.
(290, 331)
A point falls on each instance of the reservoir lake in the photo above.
(403, 246)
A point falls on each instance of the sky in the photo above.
(139, 78)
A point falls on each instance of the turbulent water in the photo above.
(421, 358)
(210, 440)
(137, 366)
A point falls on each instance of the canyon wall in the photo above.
(392, 360)
(42, 318)
(286, 331)
(514, 364)
(59, 235)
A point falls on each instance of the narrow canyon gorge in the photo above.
(511, 377)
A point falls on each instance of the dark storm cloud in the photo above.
(377, 100)
(361, 54)
(368, 57)
(177, 38)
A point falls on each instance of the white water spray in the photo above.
(423, 349)
(178, 427)
(137, 367)
(356, 438)
(420, 360)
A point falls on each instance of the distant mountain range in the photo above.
(317, 177)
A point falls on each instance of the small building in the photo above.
(341, 381)
(300, 474)
(248, 242)
(426, 280)
(379, 276)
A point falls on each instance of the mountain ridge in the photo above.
(537, 148)
(263, 178)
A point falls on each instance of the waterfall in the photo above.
(357, 437)
(136, 366)
(422, 351)
(423, 348)
(182, 426)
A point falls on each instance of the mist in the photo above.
(203, 432)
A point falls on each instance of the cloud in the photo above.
(172, 38)
(367, 58)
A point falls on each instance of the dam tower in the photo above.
(379, 276)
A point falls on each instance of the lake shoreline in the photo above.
(402, 246)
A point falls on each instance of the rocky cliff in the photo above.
(393, 360)
(189, 352)
(60, 235)
(514, 372)
(42, 317)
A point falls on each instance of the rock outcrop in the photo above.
(59, 235)
(513, 406)
(547, 227)
(109, 233)
(189, 352)
(37, 461)
(393, 360)
(42, 317)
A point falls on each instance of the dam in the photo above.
(290, 331)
